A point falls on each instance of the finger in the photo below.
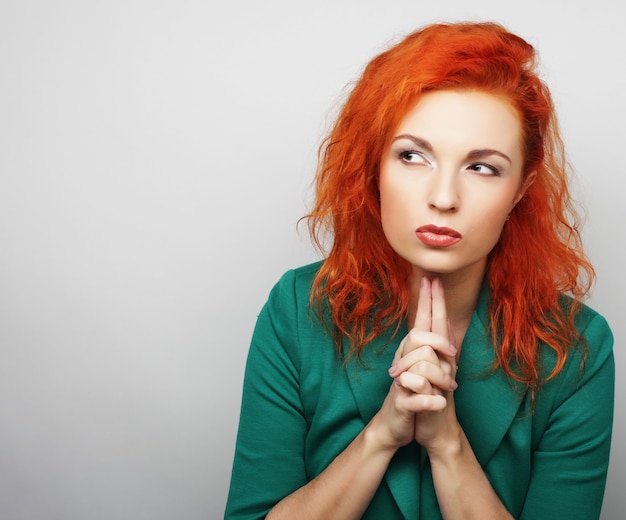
(425, 362)
(415, 383)
(424, 403)
(439, 311)
(419, 338)
(448, 365)
(423, 314)
(418, 344)
(451, 336)
(454, 356)
(437, 376)
(396, 358)
(425, 354)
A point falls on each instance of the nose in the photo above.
(444, 191)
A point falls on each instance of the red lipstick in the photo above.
(435, 236)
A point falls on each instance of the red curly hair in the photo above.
(539, 255)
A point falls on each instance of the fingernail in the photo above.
(422, 282)
(454, 385)
(392, 369)
(452, 349)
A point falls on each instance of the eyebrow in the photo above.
(479, 154)
(474, 154)
(422, 143)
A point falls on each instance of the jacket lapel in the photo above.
(370, 382)
(369, 377)
(486, 400)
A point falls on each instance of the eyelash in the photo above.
(494, 169)
(404, 156)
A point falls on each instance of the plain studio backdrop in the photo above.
(155, 157)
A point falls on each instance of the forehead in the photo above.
(465, 119)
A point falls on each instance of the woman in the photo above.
(438, 363)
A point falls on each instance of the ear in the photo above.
(530, 178)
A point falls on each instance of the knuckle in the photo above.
(420, 367)
(421, 385)
(413, 336)
(434, 403)
(403, 379)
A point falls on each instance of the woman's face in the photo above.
(449, 179)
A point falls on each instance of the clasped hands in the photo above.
(420, 404)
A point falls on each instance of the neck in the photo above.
(461, 289)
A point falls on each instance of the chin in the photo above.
(447, 269)
(434, 270)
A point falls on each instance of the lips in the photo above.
(435, 236)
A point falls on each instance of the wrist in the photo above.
(376, 442)
(450, 448)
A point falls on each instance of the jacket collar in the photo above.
(370, 384)
(486, 400)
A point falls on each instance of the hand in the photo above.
(419, 375)
(426, 364)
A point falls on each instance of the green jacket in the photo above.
(301, 407)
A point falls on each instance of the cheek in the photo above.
(388, 216)
(493, 219)
(497, 216)
(395, 205)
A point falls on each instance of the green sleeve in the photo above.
(570, 461)
(269, 454)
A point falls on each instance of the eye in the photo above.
(412, 157)
(484, 169)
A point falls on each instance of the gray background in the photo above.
(154, 159)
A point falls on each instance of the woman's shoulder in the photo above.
(297, 282)
(287, 316)
(591, 324)
(291, 293)
(595, 347)
(303, 273)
